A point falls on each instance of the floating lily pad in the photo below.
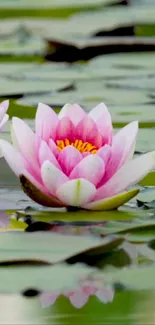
(133, 278)
(139, 83)
(88, 97)
(145, 114)
(11, 87)
(12, 69)
(136, 226)
(147, 195)
(22, 44)
(138, 61)
(47, 247)
(44, 278)
(49, 4)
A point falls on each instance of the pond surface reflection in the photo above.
(132, 308)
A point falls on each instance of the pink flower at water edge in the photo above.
(80, 295)
(74, 158)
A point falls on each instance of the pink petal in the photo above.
(5, 104)
(128, 175)
(48, 299)
(87, 131)
(46, 122)
(127, 136)
(122, 149)
(68, 158)
(102, 118)
(14, 159)
(78, 299)
(74, 112)
(65, 130)
(25, 139)
(52, 176)
(85, 154)
(3, 109)
(105, 294)
(46, 154)
(105, 153)
(53, 147)
(89, 289)
(17, 163)
(3, 122)
(91, 168)
(76, 192)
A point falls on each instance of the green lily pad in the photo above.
(89, 96)
(52, 248)
(44, 278)
(145, 115)
(22, 44)
(144, 83)
(147, 195)
(10, 87)
(133, 278)
(48, 4)
(138, 61)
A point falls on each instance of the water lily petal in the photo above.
(49, 298)
(126, 137)
(53, 147)
(37, 192)
(25, 139)
(3, 109)
(52, 176)
(122, 149)
(4, 120)
(105, 294)
(129, 174)
(78, 299)
(91, 168)
(16, 162)
(74, 112)
(105, 153)
(76, 192)
(45, 122)
(46, 154)
(87, 131)
(64, 110)
(68, 158)
(65, 129)
(102, 117)
(14, 159)
(112, 202)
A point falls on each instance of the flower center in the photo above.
(78, 144)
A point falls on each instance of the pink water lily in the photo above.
(74, 158)
(79, 296)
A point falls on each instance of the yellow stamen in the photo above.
(67, 143)
(78, 144)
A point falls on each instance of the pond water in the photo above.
(67, 266)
